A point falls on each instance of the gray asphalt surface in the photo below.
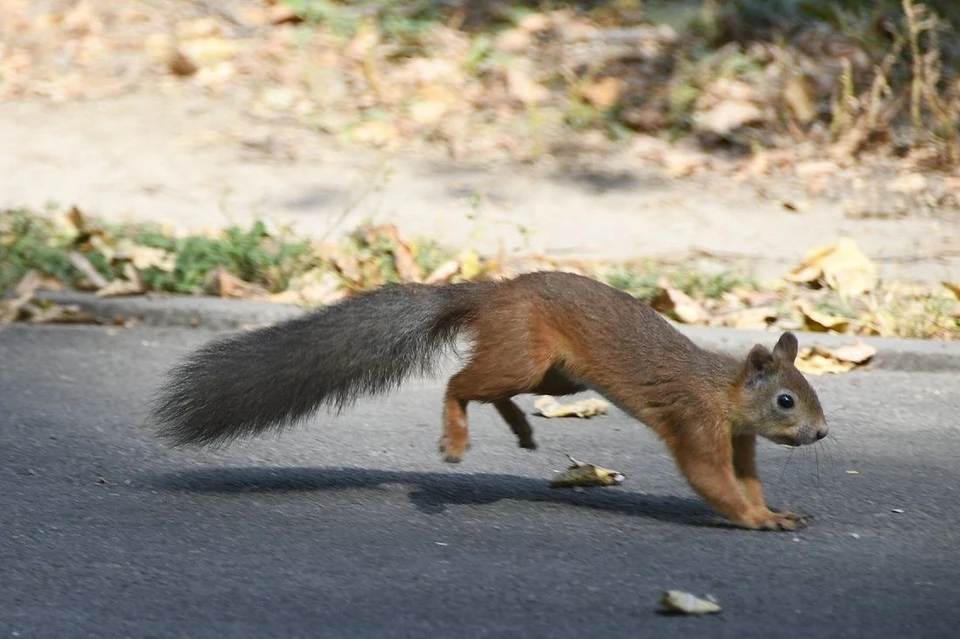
(353, 527)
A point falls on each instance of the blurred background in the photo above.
(435, 140)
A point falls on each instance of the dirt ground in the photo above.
(192, 161)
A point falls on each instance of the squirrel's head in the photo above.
(778, 401)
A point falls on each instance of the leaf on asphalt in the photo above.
(672, 301)
(683, 603)
(583, 475)
(842, 267)
(549, 407)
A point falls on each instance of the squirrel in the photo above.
(549, 333)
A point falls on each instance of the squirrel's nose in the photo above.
(821, 433)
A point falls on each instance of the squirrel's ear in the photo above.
(759, 361)
(787, 347)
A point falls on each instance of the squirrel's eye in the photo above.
(785, 401)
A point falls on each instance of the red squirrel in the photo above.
(546, 333)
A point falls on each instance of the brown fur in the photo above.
(557, 334)
(545, 333)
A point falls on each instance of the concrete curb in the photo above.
(225, 314)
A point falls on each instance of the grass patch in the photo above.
(260, 262)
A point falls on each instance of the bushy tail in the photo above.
(278, 375)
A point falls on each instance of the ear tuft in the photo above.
(787, 347)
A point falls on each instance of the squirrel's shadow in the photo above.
(434, 491)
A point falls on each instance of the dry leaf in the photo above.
(798, 94)
(406, 263)
(514, 41)
(144, 257)
(604, 93)
(681, 163)
(814, 361)
(470, 266)
(841, 266)
(757, 318)
(229, 285)
(57, 314)
(858, 352)
(131, 284)
(673, 301)
(820, 321)
(82, 264)
(583, 475)
(819, 360)
(316, 286)
(585, 408)
(679, 602)
(522, 86)
(953, 288)
(443, 273)
(349, 267)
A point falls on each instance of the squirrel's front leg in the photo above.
(745, 468)
(706, 458)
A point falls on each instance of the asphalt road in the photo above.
(353, 527)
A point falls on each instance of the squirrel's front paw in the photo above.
(783, 521)
(769, 520)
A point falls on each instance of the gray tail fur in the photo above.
(279, 375)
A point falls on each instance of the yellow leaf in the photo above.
(470, 267)
(677, 303)
(819, 321)
(841, 266)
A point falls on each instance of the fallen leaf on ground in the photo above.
(470, 265)
(953, 288)
(403, 257)
(841, 266)
(679, 602)
(673, 301)
(859, 352)
(604, 93)
(131, 284)
(82, 264)
(820, 321)
(443, 273)
(821, 360)
(584, 408)
(50, 313)
(229, 285)
(583, 475)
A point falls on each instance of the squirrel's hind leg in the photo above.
(492, 376)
